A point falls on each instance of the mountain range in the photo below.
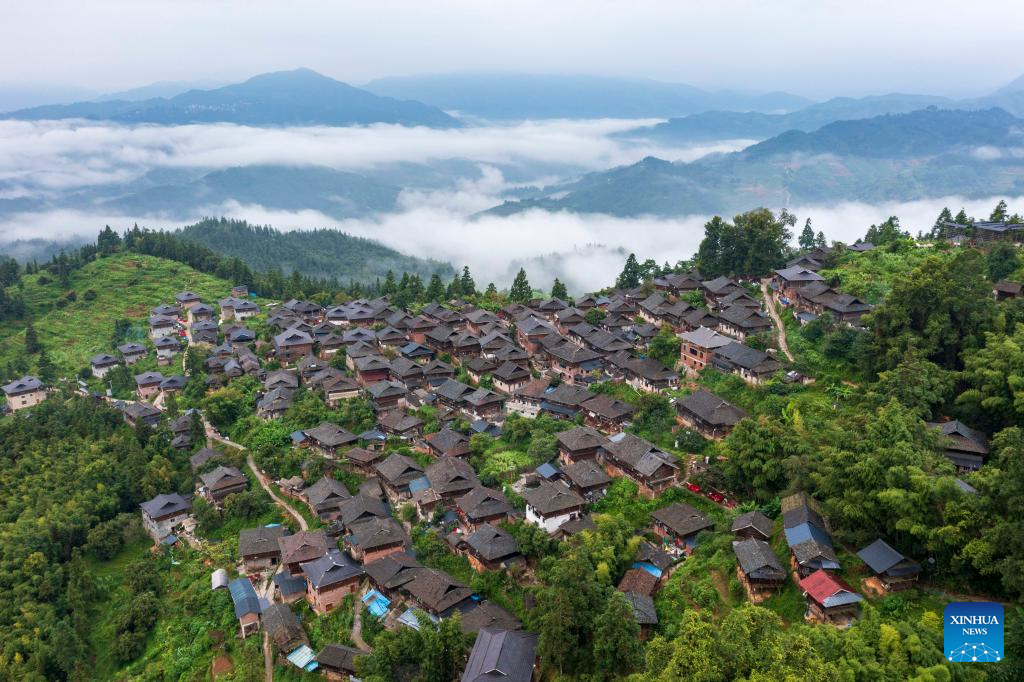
(285, 98)
(719, 124)
(901, 157)
(515, 96)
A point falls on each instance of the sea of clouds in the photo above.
(53, 158)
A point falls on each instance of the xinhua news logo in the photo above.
(973, 632)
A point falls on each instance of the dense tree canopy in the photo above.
(939, 309)
(752, 245)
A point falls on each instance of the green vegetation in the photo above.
(126, 286)
(67, 473)
(753, 244)
(327, 254)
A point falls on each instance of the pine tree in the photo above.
(45, 367)
(196, 429)
(492, 292)
(819, 240)
(962, 218)
(806, 239)
(999, 212)
(171, 406)
(521, 292)
(108, 241)
(454, 289)
(631, 274)
(435, 290)
(939, 230)
(32, 345)
(468, 285)
(558, 290)
(617, 648)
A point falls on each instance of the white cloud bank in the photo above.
(59, 155)
(489, 244)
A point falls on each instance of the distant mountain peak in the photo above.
(1016, 85)
(296, 97)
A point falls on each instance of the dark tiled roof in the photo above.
(263, 540)
(581, 438)
(165, 505)
(223, 477)
(638, 580)
(492, 543)
(436, 590)
(586, 474)
(881, 558)
(608, 407)
(711, 409)
(446, 439)
(682, 519)
(506, 655)
(489, 615)
(325, 491)
(399, 470)
(643, 608)
(449, 475)
(362, 508)
(641, 455)
(332, 568)
(481, 502)
(756, 556)
(549, 498)
(339, 657)
(378, 532)
(393, 570)
(755, 520)
(303, 546)
(283, 627)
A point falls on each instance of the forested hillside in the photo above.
(322, 253)
(927, 153)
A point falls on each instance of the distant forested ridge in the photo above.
(299, 97)
(323, 253)
(901, 157)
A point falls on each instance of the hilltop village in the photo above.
(362, 469)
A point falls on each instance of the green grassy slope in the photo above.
(125, 285)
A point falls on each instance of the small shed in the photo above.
(219, 579)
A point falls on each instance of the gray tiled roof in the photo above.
(506, 655)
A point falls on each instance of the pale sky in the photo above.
(817, 48)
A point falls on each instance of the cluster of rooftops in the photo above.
(537, 358)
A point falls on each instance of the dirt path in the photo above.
(277, 500)
(268, 659)
(721, 585)
(776, 320)
(357, 628)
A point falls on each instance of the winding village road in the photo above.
(769, 301)
(261, 477)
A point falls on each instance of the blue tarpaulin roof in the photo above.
(243, 594)
(376, 603)
(650, 568)
(409, 618)
(547, 470)
(804, 532)
(304, 658)
(421, 483)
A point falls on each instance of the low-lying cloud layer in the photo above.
(40, 156)
(586, 251)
